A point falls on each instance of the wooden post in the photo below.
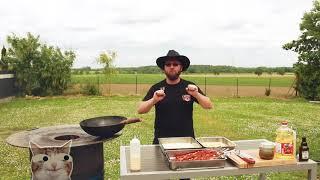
(269, 82)
(205, 84)
(237, 86)
(99, 84)
(136, 83)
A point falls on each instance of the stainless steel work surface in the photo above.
(154, 165)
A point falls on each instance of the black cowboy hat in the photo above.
(185, 62)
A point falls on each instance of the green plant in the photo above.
(3, 62)
(107, 60)
(267, 92)
(90, 89)
(307, 69)
(40, 69)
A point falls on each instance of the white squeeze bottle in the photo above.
(135, 155)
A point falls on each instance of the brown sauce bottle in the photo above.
(304, 150)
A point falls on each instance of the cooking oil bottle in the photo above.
(285, 142)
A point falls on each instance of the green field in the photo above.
(223, 80)
(234, 118)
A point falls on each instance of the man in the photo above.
(173, 99)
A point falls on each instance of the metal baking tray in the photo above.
(172, 143)
(216, 142)
(192, 164)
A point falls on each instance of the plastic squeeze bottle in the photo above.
(135, 155)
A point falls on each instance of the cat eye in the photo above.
(66, 157)
(45, 158)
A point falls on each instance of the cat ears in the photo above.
(67, 146)
(35, 148)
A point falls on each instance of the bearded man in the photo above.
(173, 99)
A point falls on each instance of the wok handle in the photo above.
(131, 120)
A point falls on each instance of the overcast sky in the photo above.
(245, 33)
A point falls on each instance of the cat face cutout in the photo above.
(51, 162)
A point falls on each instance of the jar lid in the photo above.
(267, 145)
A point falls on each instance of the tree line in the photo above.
(199, 69)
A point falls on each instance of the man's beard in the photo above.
(174, 76)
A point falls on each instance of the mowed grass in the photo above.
(224, 80)
(234, 118)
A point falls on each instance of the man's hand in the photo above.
(158, 96)
(192, 90)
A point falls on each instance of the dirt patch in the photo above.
(211, 90)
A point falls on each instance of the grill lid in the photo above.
(55, 136)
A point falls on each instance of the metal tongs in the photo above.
(244, 156)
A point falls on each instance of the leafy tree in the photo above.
(281, 71)
(107, 60)
(307, 69)
(258, 71)
(3, 62)
(40, 69)
(269, 71)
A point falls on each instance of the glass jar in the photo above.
(266, 150)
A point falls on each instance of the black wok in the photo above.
(106, 126)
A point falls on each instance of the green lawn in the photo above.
(234, 118)
(250, 80)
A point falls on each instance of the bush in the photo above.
(90, 89)
(267, 92)
(307, 69)
(40, 69)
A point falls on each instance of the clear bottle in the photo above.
(285, 142)
(135, 155)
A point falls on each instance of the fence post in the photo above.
(269, 82)
(136, 83)
(98, 84)
(237, 86)
(205, 84)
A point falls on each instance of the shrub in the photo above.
(267, 92)
(90, 89)
(40, 69)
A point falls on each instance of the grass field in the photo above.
(234, 118)
(224, 79)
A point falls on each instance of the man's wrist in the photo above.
(197, 95)
(153, 101)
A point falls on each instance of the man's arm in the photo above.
(145, 106)
(203, 100)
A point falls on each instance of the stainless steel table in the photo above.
(154, 166)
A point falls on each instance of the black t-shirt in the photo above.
(173, 113)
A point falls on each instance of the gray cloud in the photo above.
(229, 32)
(130, 21)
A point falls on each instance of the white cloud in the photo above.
(224, 32)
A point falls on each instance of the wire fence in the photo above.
(139, 84)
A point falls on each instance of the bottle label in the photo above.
(286, 148)
(305, 154)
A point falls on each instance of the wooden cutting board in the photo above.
(259, 162)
